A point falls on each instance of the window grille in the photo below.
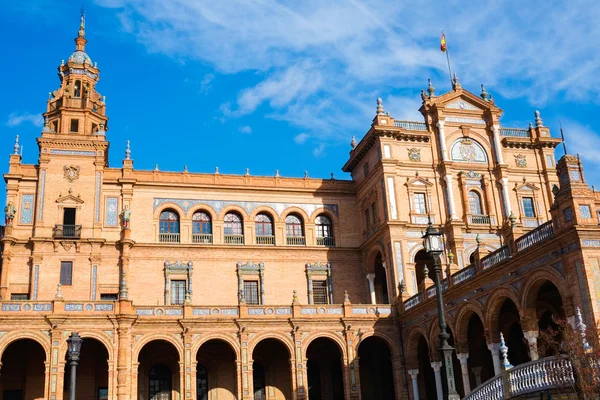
(177, 292)
(319, 289)
(66, 272)
(251, 292)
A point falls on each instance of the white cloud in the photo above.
(319, 151)
(206, 82)
(321, 65)
(301, 138)
(245, 129)
(583, 140)
(16, 119)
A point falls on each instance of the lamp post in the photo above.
(74, 347)
(434, 246)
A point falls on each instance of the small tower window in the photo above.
(75, 125)
(77, 89)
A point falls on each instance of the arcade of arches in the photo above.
(477, 342)
(159, 371)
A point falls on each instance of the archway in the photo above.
(422, 259)
(426, 376)
(158, 371)
(510, 325)
(375, 366)
(549, 310)
(92, 372)
(216, 374)
(271, 370)
(480, 362)
(22, 375)
(380, 282)
(324, 370)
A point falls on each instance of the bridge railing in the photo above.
(535, 376)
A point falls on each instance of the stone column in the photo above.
(506, 197)
(477, 372)
(464, 369)
(415, 384)
(495, 350)
(450, 195)
(497, 146)
(397, 369)
(439, 388)
(124, 386)
(355, 379)
(371, 279)
(531, 337)
(442, 140)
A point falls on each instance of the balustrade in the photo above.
(479, 219)
(204, 238)
(233, 239)
(67, 231)
(168, 237)
(326, 241)
(541, 233)
(496, 257)
(295, 240)
(515, 132)
(411, 125)
(265, 240)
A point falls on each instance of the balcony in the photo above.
(233, 239)
(479, 220)
(67, 231)
(267, 240)
(168, 237)
(515, 132)
(202, 238)
(295, 240)
(326, 241)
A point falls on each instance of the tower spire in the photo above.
(80, 40)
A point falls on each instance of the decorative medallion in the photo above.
(521, 160)
(466, 149)
(71, 172)
(414, 154)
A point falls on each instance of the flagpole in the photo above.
(562, 135)
(448, 58)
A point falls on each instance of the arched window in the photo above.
(264, 229)
(77, 89)
(475, 203)
(233, 229)
(201, 227)
(169, 226)
(294, 231)
(324, 231)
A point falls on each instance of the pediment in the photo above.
(526, 187)
(461, 104)
(69, 199)
(419, 182)
(469, 101)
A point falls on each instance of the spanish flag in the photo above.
(443, 42)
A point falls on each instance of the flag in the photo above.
(443, 42)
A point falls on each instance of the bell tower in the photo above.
(76, 112)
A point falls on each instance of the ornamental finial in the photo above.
(16, 146)
(353, 143)
(156, 167)
(538, 120)
(455, 81)
(128, 151)
(483, 94)
(380, 109)
(430, 88)
(504, 351)
(82, 23)
(582, 328)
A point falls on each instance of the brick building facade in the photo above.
(215, 286)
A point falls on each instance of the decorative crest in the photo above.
(380, 109)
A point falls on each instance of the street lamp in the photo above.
(74, 343)
(434, 246)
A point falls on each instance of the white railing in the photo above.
(295, 240)
(233, 239)
(515, 132)
(325, 241)
(479, 219)
(205, 238)
(265, 240)
(535, 376)
(411, 125)
(168, 237)
(464, 274)
(537, 235)
(496, 257)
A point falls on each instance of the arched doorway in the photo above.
(480, 362)
(380, 282)
(422, 259)
(549, 311)
(375, 366)
(271, 370)
(510, 325)
(92, 372)
(158, 371)
(324, 369)
(216, 374)
(22, 375)
(426, 376)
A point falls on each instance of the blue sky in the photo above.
(284, 85)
